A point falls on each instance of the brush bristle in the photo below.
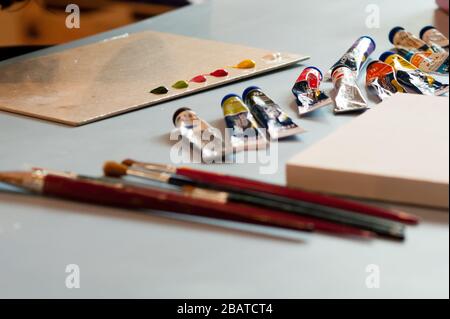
(128, 162)
(114, 169)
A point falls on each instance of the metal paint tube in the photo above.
(245, 133)
(433, 36)
(382, 81)
(269, 114)
(402, 38)
(348, 96)
(198, 132)
(356, 56)
(411, 78)
(307, 91)
(429, 62)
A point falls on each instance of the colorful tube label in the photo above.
(382, 81)
(348, 96)
(245, 133)
(270, 115)
(408, 40)
(434, 36)
(429, 62)
(307, 91)
(356, 56)
(414, 80)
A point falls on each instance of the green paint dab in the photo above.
(180, 84)
(160, 90)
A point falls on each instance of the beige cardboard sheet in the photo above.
(398, 151)
(92, 82)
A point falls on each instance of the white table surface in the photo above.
(125, 254)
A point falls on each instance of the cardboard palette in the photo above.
(96, 81)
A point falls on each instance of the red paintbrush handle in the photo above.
(92, 191)
(239, 183)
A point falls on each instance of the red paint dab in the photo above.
(198, 79)
(219, 73)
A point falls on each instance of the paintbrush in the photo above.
(119, 193)
(116, 170)
(369, 223)
(240, 183)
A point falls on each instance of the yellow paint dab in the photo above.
(246, 64)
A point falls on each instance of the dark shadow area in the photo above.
(15, 51)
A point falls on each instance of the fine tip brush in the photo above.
(239, 182)
(113, 169)
(263, 215)
(382, 227)
(299, 202)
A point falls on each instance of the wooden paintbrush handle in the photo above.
(379, 226)
(92, 191)
(301, 208)
(243, 183)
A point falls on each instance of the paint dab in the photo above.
(180, 84)
(246, 64)
(160, 90)
(272, 56)
(219, 73)
(198, 79)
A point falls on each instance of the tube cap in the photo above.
(425, 29)
(247, 91)
(315, 68)
(226, 97)
(385, 55)
(371, 39)
(393, 32)
(177, 112)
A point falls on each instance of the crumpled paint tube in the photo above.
(402, 38)
(356, 56)
(307, 91)
(411, 78)
(199, 133)
(433, 36)
(435, 57)
(269, 114)
(348, 96)
(430, 62)
(381, 80)
(245, 133)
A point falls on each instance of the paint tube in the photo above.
(411, 78)
(429, 62)
(307, 91)
(402, 38)
(269, 115)
(430, 58)
(356, 56)
(433, 36)
(382, 81)
(198, 132)
(245, 133)
(348, 95)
